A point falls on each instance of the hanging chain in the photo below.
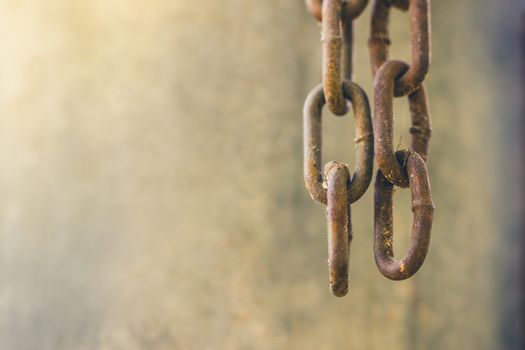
(423, 208)
(419, 37)
(403, 168)
(337, 188)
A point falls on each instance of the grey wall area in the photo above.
(151, 187)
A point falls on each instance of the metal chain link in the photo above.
(338, 215)
(332, 190)
(384, 119)
(351, 9)
(423, 209)
(402, 168)
(379, 42)
(332, 50)
(336, 187)
(364, 140)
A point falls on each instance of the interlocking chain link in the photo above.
(336, 187)
(332, 190)
(332, 49)
(384, 120)
(338, 215)
(402, 168)
(349, 11)
(379, 42)
(423, 209)
(364, 140)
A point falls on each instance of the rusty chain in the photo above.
(364, 140)
(379, 42)
(349, 11)
(338, 215)
(336, 187)
(403, 168)
(423, 209)
(383, 122)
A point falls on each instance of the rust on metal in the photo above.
(347, 58)
(383, 122)
(336, 187)
(423, 209)
(351, 8)
(337, 43)
(332, 50)
(421, 129)
(379, 41)
(339, 226)
(364, 141)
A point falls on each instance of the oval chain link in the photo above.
(423, 209)
(379, 42)
(364, 140)
(338, 217)
(332, 43)
(342, 189)
(384, 119)
(402, 168)
(336, 188)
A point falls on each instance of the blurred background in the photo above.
(151, 186)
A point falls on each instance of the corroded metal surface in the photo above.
(379, 42)
(421, 129)
(107, 248)
(313, 143)
(347, 58)
(339, 226)
(403, 168)
(392, 78)
(338, 189)
(384, 119)
(332, 49)
(423, 209)
(349, 11)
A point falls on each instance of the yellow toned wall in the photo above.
(151, 191)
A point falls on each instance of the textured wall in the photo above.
(152, 195)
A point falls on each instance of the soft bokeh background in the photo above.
(151, 191)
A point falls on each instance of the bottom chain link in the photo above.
(423, 209)
(341, 189)
(338, 218)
